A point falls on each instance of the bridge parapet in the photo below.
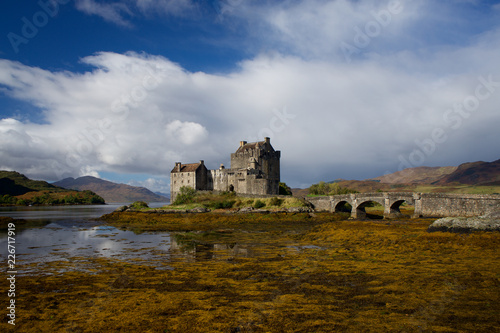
(426, 204)
(445, 204)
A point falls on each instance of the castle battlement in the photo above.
(255, 169)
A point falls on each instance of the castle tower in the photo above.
(255, 169)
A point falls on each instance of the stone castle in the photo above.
(255, 169)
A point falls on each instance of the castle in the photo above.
(255, 169)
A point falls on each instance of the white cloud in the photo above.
(186, 133)
(89, 170)
(318, 29)
(138, 113)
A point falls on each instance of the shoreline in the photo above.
(272, 273)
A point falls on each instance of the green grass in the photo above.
(460, 188)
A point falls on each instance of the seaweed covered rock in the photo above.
(300, 210)
(121, 209)
(489, 222)
(199, 210)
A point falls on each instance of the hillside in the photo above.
(14, 183)
(418, 175)
(474, 177)
(476, 173)
(17, 189)
(111, 192)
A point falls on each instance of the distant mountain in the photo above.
(111, 192)
(166, 195)
(418, 175)
(18, 190)
(431, 179)
(475, 173)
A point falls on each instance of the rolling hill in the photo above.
(17, 189)
(111, 192)
(474, 177)
(14, 183)
(475, 173)
(418, 175)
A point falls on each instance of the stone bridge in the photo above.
(425, 204)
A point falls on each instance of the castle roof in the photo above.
(190, 167)
(252, 145)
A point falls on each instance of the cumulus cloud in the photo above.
(140, 113)
(185, 133)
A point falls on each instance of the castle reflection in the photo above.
(204, 246)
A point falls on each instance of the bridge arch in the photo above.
(359, 209)
(394, 209)
(342, 206)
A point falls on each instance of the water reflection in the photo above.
(60, 241)
(69, 234)
(64, 212)
(201, 246)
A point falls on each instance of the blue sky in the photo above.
(345, 89)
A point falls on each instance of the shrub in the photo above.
(275, 201)
(185, 195)
(259, 204)
(7, 199)
(225, 204)
(323, 188)
(139, 205)
(284, 189)
(22, 202)
(227, 194)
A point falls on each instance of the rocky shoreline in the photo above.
(223, 211)
(489, 222)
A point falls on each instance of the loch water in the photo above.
(72, 233)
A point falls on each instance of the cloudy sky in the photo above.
(345, 89)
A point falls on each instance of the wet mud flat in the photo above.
(273, 273)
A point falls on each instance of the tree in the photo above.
(185, 195)
(323, 188)
(284, 189)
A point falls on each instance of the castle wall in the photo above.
(201, 179)
(195, 178)
(255, 169)
(180, 179)
(219, 180)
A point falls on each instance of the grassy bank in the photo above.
(190, 199)
(149, 221)
(274, 273)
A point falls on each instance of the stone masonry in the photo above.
(426, 204)
(255, 169)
